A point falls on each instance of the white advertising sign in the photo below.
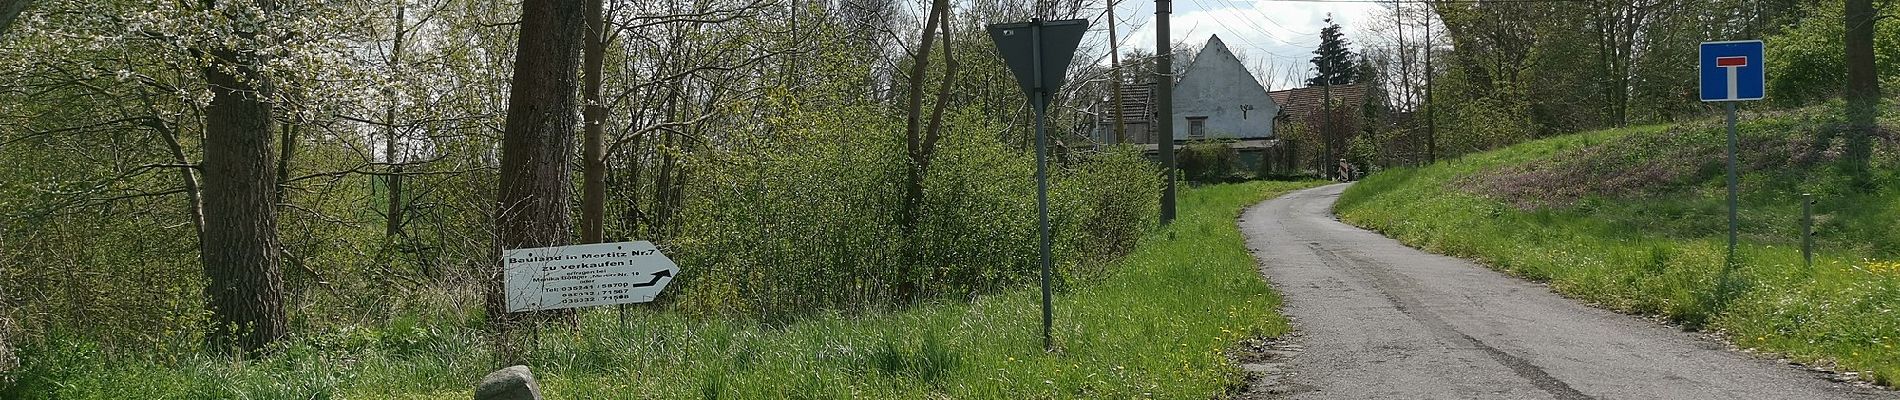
(585, 275)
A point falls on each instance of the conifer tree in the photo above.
(1332, 60)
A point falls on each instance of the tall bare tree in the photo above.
(240, 247)
(921, 140)
(392, 150)
(594, 162)
(1619, 27)
(538, 140)
(1863, 89)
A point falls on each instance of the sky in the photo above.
(1274, 35)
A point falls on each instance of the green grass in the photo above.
(1156, 326)
(1657, 246)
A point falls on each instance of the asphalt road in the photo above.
(1378, 320)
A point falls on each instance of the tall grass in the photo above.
(1659, 247)
(1154, 325)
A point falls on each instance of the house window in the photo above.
(1197, 127)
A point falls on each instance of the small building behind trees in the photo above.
(1216, 99)
(1304, 115)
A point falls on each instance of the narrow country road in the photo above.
(1378, 320)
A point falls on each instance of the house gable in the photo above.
(1219, 92)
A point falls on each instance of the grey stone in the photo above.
(512, 383)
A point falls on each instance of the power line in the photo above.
(1264, 49)
(1269, 19)
(1243, 20)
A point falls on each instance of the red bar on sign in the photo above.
(1736, 61)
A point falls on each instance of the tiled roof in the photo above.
(1135, 104)
(1298, 103)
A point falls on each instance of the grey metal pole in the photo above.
(1731, 181)
(1807, 229)
(1042, 180)
(1164, 88)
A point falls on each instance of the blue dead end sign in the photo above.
(1732, 71)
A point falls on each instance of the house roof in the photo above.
(1135, 104)
(1213, 41)
(1300, 102)
(1214, 48)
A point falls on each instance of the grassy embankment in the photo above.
(1156, 326)
(1635, 220)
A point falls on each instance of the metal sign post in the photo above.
(1733, 224)
(1038, 52)
(1807, 230)
(1732, 72)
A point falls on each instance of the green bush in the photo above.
(806, 221)
(1211, 161)
(1806, 64)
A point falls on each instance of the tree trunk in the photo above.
(392, 145)
(538, 141)
(1863, 84)
(1863, 92)
(921, 140)
(594, 162)
(660, 220)
(240, 249)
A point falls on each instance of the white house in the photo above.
(1216, 97)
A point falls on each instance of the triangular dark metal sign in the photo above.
(1016, 42)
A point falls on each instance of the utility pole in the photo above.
(1431, 111)
(1326, 126)
(1115, 87)
(1164, 85)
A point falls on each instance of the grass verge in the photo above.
(1648, 233)
(1155, 326)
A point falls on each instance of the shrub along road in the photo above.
(1382, 320)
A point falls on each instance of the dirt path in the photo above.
(1377, 319)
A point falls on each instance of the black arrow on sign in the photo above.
(666, 273)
